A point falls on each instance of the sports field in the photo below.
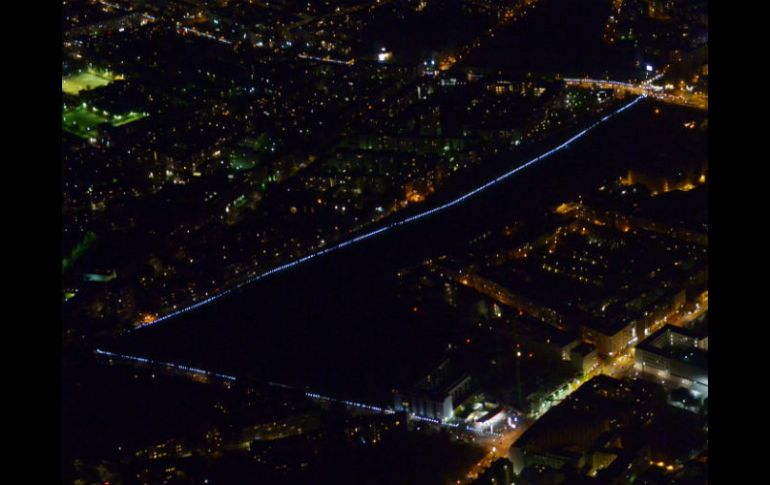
(84, 81)
(82, 120)
(130, 117)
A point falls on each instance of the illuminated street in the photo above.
(689, 99)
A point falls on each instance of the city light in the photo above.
(527, 218)
(394, 225)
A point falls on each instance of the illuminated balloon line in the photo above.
(168, 365)
(407, 220)
(312, 395)
(417, 417)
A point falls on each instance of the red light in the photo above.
(414, 309)
(467, 341)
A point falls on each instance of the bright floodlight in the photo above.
(649, 68)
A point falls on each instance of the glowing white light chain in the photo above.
(393, 225)
(416, 417)
(312, 395)
(169, 365)
(326, 59)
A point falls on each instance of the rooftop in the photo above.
(678, 344)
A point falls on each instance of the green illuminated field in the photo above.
(85, 81)
(124, 119)
(82, 120)
(241, 163)
(79, 250)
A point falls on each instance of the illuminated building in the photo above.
(676, 357)
(437, 394)
(595, 421)
(584, 356)
(611, 337)
(660, 180)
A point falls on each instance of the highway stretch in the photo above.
(393, 225)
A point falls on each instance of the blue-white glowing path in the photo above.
(393, 225)
(416, 417)
(166, 365)
(312, 395)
